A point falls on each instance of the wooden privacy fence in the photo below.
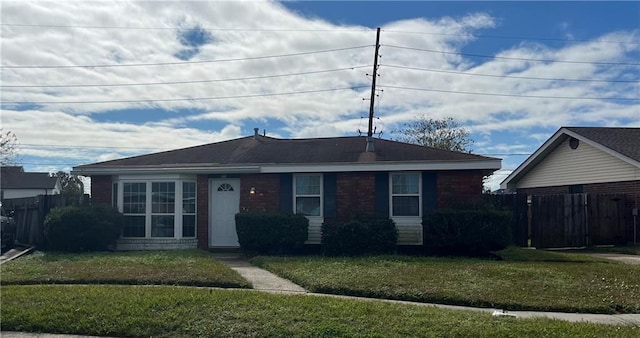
(571, 220)
(30, 213)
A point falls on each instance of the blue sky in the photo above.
(85, 83)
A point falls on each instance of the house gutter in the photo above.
(297, 168)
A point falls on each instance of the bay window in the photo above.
(157, 209)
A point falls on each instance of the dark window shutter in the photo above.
(286, 193)
(382, 195)
(329, 198)
(429, 192)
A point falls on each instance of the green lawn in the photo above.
(627, 250)
(523, 280)
(169, 311)
(177, 267)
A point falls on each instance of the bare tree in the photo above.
(445, 134)
(8, 148)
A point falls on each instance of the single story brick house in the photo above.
(582, 160)
(188, 198)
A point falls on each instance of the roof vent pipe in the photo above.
(255, 133)
(370, 147)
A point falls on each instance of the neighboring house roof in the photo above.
(267, 154)
(621, 143)
(15, 178)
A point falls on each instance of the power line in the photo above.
(30, 145)
(189, 99)
(183, 62)
(507, 37)
(515, 95)
(514, 58)
(181, 82)
(509, 76)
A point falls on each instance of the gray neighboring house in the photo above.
(16, 183)
(582, 160)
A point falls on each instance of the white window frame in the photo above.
(391, 194)
(177, 224)
(295, 195)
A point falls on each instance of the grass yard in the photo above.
(176, 267)
(627, 250)
(523, 280)
(168, 311)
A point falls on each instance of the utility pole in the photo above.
(374, 75)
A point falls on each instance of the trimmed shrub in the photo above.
(359, 237)
(86, 228)
(271, 232)
(466, 232)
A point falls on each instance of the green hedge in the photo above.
(86, 228)
(271, 232)
(467, 232)
(359, 237)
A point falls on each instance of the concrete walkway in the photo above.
(261, 280)
(628, 259)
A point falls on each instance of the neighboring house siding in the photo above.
(101, 190)
(459, 189)
(586, 164)
(202, 217)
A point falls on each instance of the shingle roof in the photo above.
(625, 141)
(15, 178)
(267, 150)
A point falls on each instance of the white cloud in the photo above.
(268, 28)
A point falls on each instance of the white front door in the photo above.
(224, 205)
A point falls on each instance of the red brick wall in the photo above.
(459, 189)
(202, 222)
(267, 192)
(355, 195)
(101, 190)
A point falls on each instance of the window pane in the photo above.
(162, 225)
(189, 226)
(189, 197)
(406, 206)
(133, 226)
(163, 197)
(405, 184)
(309, 206)
(135, 198)
(308, 185)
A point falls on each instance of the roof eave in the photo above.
(488, 164)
